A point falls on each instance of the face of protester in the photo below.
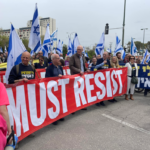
(56, 59)
(98, 56)
(114, 60)
(79, 50)
(40, 53)
(25, 58)
(68, 58)
(41, 61)
(105, 55)
(132, 59)
(119, 56)
(94, 60)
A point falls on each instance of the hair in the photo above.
(131, 56)
(113, 65)
(118, 53)
(62, 62)
(67, 57)
(41, 57)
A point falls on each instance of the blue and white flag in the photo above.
(16, 48)
(109, 50)
(54, 35)
(69, 53)
(1, 50)
(119, 48)
(5, 49)
(99, 50)
(35, 41)
(62, 47)
(133, 49)
(32, 52)
(75, 44)
(59, 47)
(146, 53)
(46, 42)
(148, 58)
(86, 54)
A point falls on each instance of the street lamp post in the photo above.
(123, 23)
(143, 37)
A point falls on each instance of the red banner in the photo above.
(40, 102)
(41, 73)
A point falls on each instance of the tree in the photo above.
(64, 50)
(4, 41)
(25, 42)
(91, 53)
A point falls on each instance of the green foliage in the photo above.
(4, 41)
(25, 42)
(64, 50)
(91, 53)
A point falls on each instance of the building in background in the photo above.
(24, 32)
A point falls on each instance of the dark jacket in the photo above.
(101, 60)
(23, 72)
(75, 64)
(50, 71)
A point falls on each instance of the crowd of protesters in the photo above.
(53, 65)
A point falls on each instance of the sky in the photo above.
(85, 17)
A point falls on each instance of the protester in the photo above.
(61, 56)
(5, 128)
(41, 63)
(6, 55)
(109, 56)
(132, 72)
(40, 53)
(67, 59)
(114, 64)
(126, 60)
(119, 58)
(23, 71)
(93, 64)
(62, 63)
(54, 70)
(138, 61)
(103, 63)
(77, 62)
(98, 56)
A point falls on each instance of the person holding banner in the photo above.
(5, 128)
(132, 72)
(54, 70)
(23, 71)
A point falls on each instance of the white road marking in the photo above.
(127, 124)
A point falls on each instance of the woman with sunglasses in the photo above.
(132, 72)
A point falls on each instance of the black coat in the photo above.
(101, 60)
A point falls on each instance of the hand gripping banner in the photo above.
(40, 102)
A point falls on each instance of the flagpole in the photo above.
(123, 23)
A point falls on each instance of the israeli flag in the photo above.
(133, 49)
(59, 47)
(75, 44)
(119, 48)
(54, 51)
(32, 52)
(69, 53)
(109, 50)
(5, 49)
(86, 54)
(46, 42)
(16, 48)
(146, 53)
(35, 41)
(99, 50)
(54, 35)
(148, 58)
(1, 50)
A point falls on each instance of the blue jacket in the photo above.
(50, 71)
(101, 60)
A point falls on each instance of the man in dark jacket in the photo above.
(105, 66)
(54, 70)
(77, 62)
(23, 71)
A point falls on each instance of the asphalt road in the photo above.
(124, 125)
